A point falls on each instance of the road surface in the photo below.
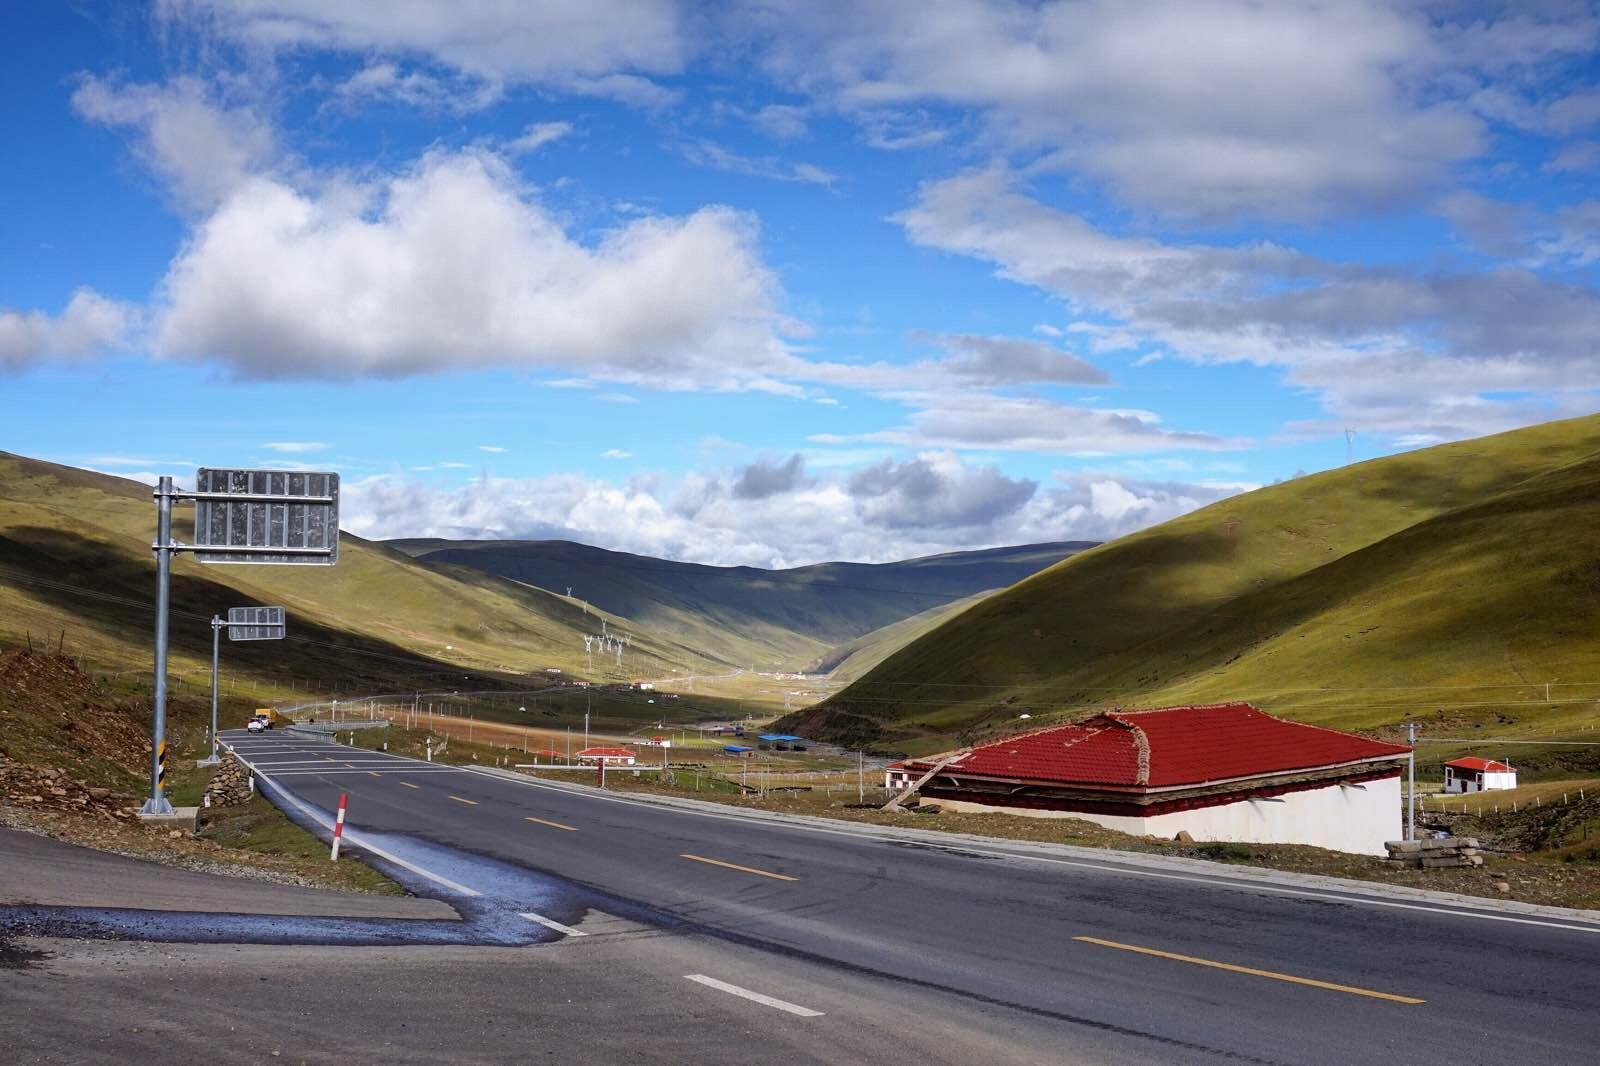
(834, 945)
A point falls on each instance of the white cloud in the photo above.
(710, 154)
(295, 447)
(88, 325)
(616, 397)
(537, 136)
(601, 47)
(492, 449)
(782, 122)
(983, 421)
(453, 466)
(1372, 341)
(451, 264)
(385, 80)
(204, 150)
(1208, 108)
(923, 505)
(616, 453)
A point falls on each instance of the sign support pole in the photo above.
(216, 641)
(157, 803)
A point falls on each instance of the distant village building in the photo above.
(1478, 775)
(658, 742)
(1227, 772)
(609, 756)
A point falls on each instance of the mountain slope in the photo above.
(76, 566)
(743, 615)
(1451, 582)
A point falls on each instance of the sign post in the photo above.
(241, 516)
(244, 623)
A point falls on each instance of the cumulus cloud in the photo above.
(88, 325)
(925, 505)
(938, 491)
(1014, 360)
(1351, 331)
(768, 477)
(203, 149)
(387, 81)
(717, 157)
(452, 264)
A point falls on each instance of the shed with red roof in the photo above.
(1221, 772)
(1473, 774)
(609, 756)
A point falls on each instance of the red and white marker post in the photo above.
(338, 825)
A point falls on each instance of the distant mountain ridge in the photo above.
(795, 615)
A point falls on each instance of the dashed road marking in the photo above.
(552, 825)
(754, 997)
(741, 869)
(469, 803)
(1231, 968)
(408, 784)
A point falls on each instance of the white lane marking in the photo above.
(1130, 871)
(550, 924)
(754, 997)
(357, 841)
(267, 771)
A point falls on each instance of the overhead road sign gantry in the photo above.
(242, 516)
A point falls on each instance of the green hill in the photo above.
(76, 572)
(1448, 585)
(854, 659)
(741, 615)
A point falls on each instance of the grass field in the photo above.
(1458, 586)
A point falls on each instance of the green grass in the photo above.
(1446, 585)
(260, 827)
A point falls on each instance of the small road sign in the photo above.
(266, 516)
(256, 623)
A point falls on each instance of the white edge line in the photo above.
(1131, 871)
(266, 772)
(550, 924)
(754, 997)
(356, 841)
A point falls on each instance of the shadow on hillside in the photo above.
(93, 582)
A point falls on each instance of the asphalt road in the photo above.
(832, 945)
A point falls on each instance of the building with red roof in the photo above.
(1221, 772)
(609, 756)
(1473, 774)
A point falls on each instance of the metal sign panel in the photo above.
(256, 623)
(267, 516)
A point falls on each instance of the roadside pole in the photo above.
(1411, 782)
(216, 649)
(157, 803)
(338, 825)
(861, 780)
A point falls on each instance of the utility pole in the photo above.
(861, 779)
(1411, 775)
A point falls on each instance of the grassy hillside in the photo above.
(848, 662)
(1447, 585)
(745, 616)
(76, 571)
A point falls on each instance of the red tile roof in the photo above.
(1472, 762)
(612, 753)
(1167, 747)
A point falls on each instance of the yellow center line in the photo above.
(553, 825)
(470, 803)
(741, 869)
(1351, 989)
(408, 784)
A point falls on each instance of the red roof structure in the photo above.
(1168, 748)
(607, 753)
(1486, 766)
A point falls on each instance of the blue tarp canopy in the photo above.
(779, 736)
(736, 749)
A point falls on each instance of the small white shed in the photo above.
(1473, 774)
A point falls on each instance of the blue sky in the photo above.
(775, 282)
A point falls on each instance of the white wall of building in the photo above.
(1475, 781)
(1354, 818)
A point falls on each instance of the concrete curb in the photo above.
(1246, 875)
